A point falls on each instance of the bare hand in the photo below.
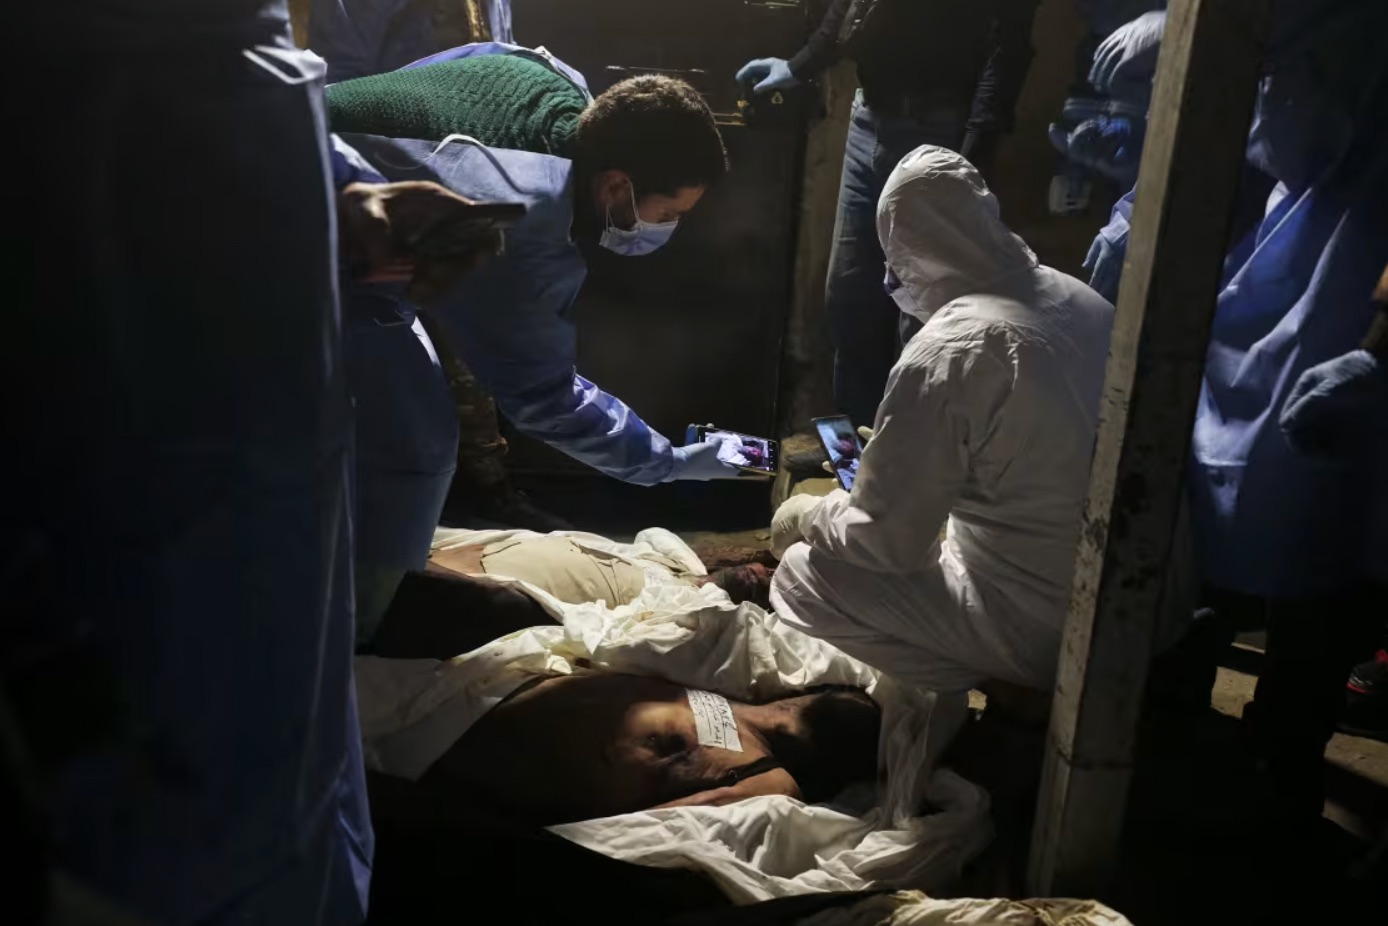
(415, 231)
(776, 781)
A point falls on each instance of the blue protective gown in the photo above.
(510, 321)
(1269, 520)
(359, 38)
(195, 501)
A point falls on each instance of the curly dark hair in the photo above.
(656, 129)
(837, 747)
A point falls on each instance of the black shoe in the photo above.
(1182, 677)
(1366, 699)
(512, 508)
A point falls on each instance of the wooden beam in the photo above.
(298, 21)
(1197, 126)
(807, 356)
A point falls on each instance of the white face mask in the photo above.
(641, 238)
(897, 291)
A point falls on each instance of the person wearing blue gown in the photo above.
(1284, 536)
(502, 123)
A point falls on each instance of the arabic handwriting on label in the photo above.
(714, 724)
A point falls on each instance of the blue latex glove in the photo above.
(699, 462)
(767, 74)
(1130, 53)
(1105, 265)
(1335, 404)
(1105, 259)
(1108, 145)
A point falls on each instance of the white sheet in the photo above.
(644, 550)
(910, 908)
(413, 710)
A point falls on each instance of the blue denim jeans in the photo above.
(864, 321)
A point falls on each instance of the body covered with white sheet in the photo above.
(414, 710)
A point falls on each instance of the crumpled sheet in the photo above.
(413, 710)
(645, 550)
(912, 908)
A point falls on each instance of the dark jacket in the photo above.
(966, 50)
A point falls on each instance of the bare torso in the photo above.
(586, 746)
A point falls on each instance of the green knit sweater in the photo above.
(503, 101)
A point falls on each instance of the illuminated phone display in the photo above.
(841, 446)
(746, 452)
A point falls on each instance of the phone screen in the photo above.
(756, 454)
(842, 446)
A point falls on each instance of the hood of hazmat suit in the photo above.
(985, 432)
(942, 234)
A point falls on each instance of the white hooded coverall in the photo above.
(987, 428)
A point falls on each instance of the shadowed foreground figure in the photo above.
(581, 747)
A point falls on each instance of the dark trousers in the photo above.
(863, 319)
(1312, 643)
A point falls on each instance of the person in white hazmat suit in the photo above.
(986, 429)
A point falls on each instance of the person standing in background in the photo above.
(616, 172)
(359, 38)
(1281, 532)
(373, 38)
(1337, 414)
(932, 72)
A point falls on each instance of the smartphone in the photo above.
(759, 455)
(842, 446)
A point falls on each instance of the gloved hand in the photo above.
(767, 74)
(1105, 265)
(864, 434)
(788, 524)
(1335, 403)
(1109, 145)
(699, 462)
(1130, 53)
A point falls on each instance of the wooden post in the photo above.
(1198, 123)
(298, 21)
(807, 357)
